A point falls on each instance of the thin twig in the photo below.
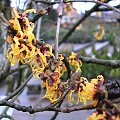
(93, 1)
(18, 90)
(98, 2)
(13, 70)
(6, 108)
(32, 110)
(67, 65)
(58, 28)
(107, 9)
(47, 2)
(6, 116)
(4, 20)
(62, 97)
(107, 102)
(109, 63)
(41, 13)
(59, 105)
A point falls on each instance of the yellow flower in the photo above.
(95, 80)
(13, 59)
(49, 51)
(97, 116)
(73, 60)
(82, 91)
(100, 78)
(24, 26)
(30, 10)
(15, 23)
(22, 48)
(60, 57)
(61, 69)
(99, 35)
(52, 91)
(43, 84)
(39, 63)
(102, 0)
(86, 91)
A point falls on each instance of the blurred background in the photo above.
(98, 36)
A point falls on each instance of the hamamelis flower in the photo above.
(88, 94)
(61, 69)
(22, 38)
(52, 93)
(22, 52)
(60, 57)
(21, 23)
(24, 49)
(81, 94)
(97, 116)
(39, 63)
(86, 90)
(74, 61)
(46, 49)
(99, 35)
(52, 87)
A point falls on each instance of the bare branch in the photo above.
(50, 107)
(60, 103)
(107, 9)
(98, 2)
(40, 14)
(17, 90)
(110, 63)
(58, 28)
(13, 70)
(6, 116)
(67, 65)
(112, 105)
(4, 20)
(32, 110)
(47, 2)
(68, 110)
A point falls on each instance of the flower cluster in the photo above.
(104, 115)
(51, 78)
(22, 38)
(24, 46)
(97, 116)
(86, 90)
(24, 49)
